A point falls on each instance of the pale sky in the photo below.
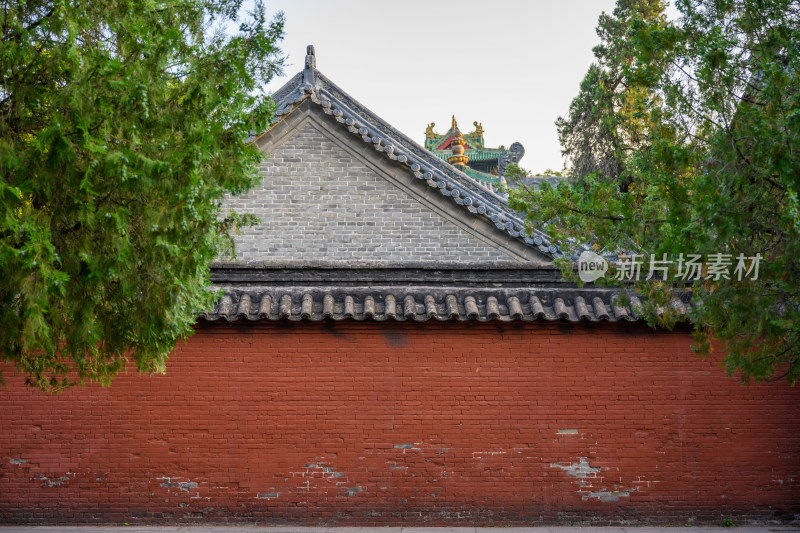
(513, 66)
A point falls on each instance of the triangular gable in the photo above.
(326, 196)
(476, 201)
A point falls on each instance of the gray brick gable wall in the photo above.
(320, 201)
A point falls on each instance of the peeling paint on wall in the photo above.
(321, 477)
(182, 485)
(608, 496)
(590, 482)
(582, 469)
(47, 482)
(353, 491)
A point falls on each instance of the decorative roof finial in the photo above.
(512, 155)
(455, 124)
(311, 65)
(458, 158)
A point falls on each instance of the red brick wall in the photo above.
(365, 423)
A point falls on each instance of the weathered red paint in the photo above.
(366, 423)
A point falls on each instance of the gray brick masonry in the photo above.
(318, 201)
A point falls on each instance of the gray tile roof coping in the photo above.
(481, 293)
(420, 304)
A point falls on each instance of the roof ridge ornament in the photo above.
(512, 155)
(310, 67)
(458, 159)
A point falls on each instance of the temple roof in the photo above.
(484, 163)
(466, 189)
(409, 288)
(434, 141)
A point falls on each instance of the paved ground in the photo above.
(293, 529)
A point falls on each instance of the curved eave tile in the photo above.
(522, 305)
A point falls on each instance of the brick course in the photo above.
(366, 423)
(318, 201)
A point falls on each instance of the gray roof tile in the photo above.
(461, 304)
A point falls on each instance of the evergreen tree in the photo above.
(715, 173)
(607, 121)
(122, 125)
